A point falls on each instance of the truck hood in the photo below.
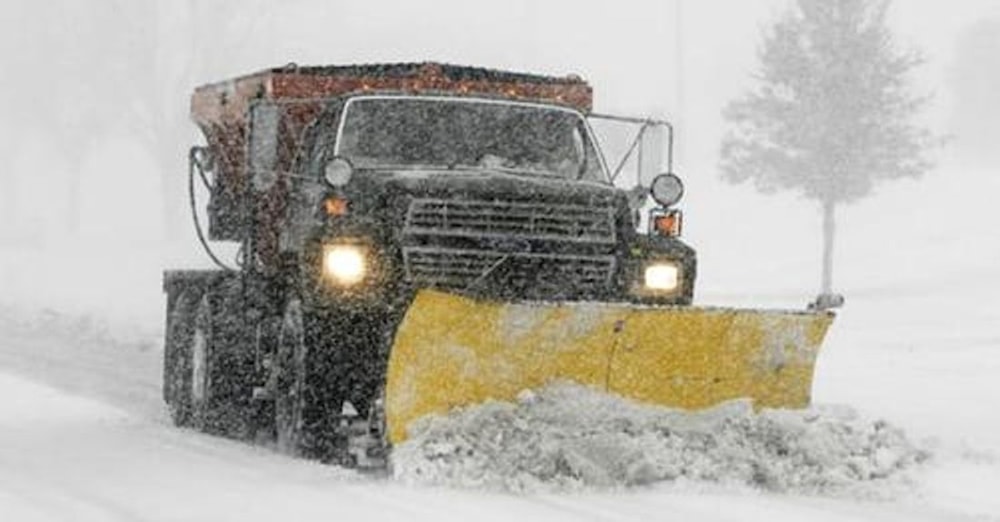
(380, 201)
(492, 185)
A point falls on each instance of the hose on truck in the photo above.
(200, 159)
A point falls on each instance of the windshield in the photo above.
(445, 132)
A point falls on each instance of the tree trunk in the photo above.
(8, 193)
(828, 232)
(74, 202)
(74, 153)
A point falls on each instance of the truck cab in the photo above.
(502, 198)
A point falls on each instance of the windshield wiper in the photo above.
(509, 170)
(466, 166)
(402, 166)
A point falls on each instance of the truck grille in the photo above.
(531, 273)
(576, 223)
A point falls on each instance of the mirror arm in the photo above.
(636, 142)
(638, 154)
(670, 147)
(645, 123)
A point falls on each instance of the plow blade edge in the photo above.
(453, 351)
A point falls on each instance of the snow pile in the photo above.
(568, 437)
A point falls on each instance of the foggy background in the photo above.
(94, 131)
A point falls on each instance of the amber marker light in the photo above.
(668, 224)
(335, 206)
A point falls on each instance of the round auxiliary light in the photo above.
(667, 189)
(338, 172)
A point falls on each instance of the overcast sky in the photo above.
(682, 59)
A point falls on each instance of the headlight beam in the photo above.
(345, 264)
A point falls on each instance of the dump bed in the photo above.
(214, 103)
(221, 110)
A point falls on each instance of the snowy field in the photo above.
(905, 424)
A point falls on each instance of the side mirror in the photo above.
(338, 172)
(667, 189)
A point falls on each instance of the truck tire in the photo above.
(177, 359)
(202, 366)
(204, 370)
(225, 369)
(188, 365)
(289, 371)
(306, 408)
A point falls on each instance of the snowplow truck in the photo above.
(414, 238)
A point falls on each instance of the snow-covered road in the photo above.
(83, 437)
(67, 458)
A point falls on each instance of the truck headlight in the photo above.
(346, 265)
(661, 276)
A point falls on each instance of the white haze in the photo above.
(918, 261)
(637, 56)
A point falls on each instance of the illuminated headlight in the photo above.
(661, 276)
(346, 265)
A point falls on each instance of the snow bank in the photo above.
(85, 354)
(53, 324)
(570, 438)
(27, 405)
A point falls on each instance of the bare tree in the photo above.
(55, 93)
(830, 112)
(174, 46)
(88, 69)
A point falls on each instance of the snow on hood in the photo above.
(567, 437)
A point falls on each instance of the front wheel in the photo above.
(306, 406)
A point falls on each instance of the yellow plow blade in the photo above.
(452, 351)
